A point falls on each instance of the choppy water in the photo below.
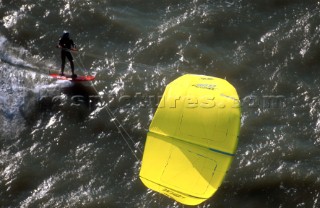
(61, 145)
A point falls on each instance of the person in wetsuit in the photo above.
(66, 44)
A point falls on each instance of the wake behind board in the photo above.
(69, 78)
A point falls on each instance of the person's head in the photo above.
(65, 34)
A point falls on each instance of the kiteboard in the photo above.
(192, 138)
(70, 78)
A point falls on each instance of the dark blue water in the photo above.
(67, 145)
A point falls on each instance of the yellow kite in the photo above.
(192, 138)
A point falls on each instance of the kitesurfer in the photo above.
(66, 44)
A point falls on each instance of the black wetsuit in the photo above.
(66, 44)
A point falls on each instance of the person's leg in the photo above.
(72, 67)
(70, 58)
(63, 62)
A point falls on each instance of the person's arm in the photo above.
(73, 46)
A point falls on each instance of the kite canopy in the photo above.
(192, 138)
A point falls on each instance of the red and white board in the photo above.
(70, 78)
